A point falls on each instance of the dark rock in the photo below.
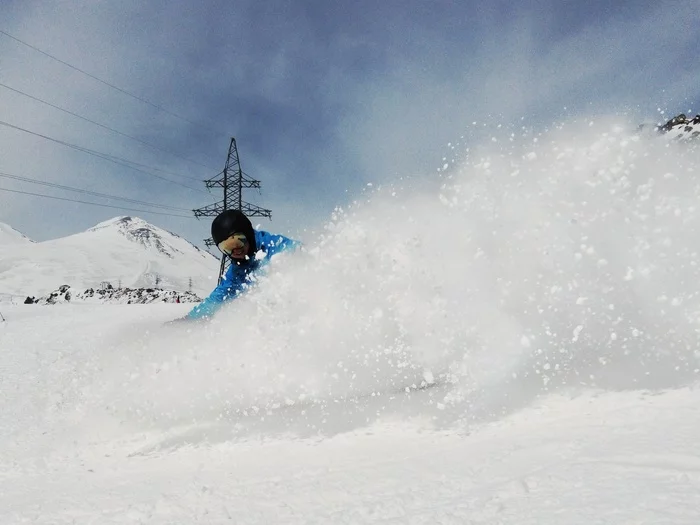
(683, 128)
(116, 295)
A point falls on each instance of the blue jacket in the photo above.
(237, 278)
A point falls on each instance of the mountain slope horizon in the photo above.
(10, 235)
(124, 251)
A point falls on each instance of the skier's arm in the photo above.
(234, 283)
(228, 288)
(277, 243)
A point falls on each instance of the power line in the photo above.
(95, 203)
(121, 90)
(105, 156)
(101, 154)
(103, 126)
(132, 162)
(88, 192)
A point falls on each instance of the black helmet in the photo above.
(233, 221)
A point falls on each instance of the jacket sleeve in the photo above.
(275, 243)
(231, 285)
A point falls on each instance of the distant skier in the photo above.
(248, 249)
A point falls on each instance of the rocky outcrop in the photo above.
(681, 127)
(108, 294)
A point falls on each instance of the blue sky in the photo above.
(322, 96)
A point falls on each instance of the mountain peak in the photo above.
(142, 232)
(122, 222)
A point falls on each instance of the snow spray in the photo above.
(565, 259)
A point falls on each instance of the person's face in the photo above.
(236, 245)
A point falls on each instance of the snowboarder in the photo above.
(248, 249)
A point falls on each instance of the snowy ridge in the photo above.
(9, 236)
(124, 252)
(151, 237)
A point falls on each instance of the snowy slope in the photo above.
(70, 455)
(519, 348)
(124, 249)
(10, 236)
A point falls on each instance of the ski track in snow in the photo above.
(543, 369)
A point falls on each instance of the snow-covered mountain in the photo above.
(8, 236)
(124, 251)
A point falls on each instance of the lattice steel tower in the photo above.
(233, 181)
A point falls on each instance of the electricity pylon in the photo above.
(233, 181)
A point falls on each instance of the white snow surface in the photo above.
(513, 343)
(124, 249)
